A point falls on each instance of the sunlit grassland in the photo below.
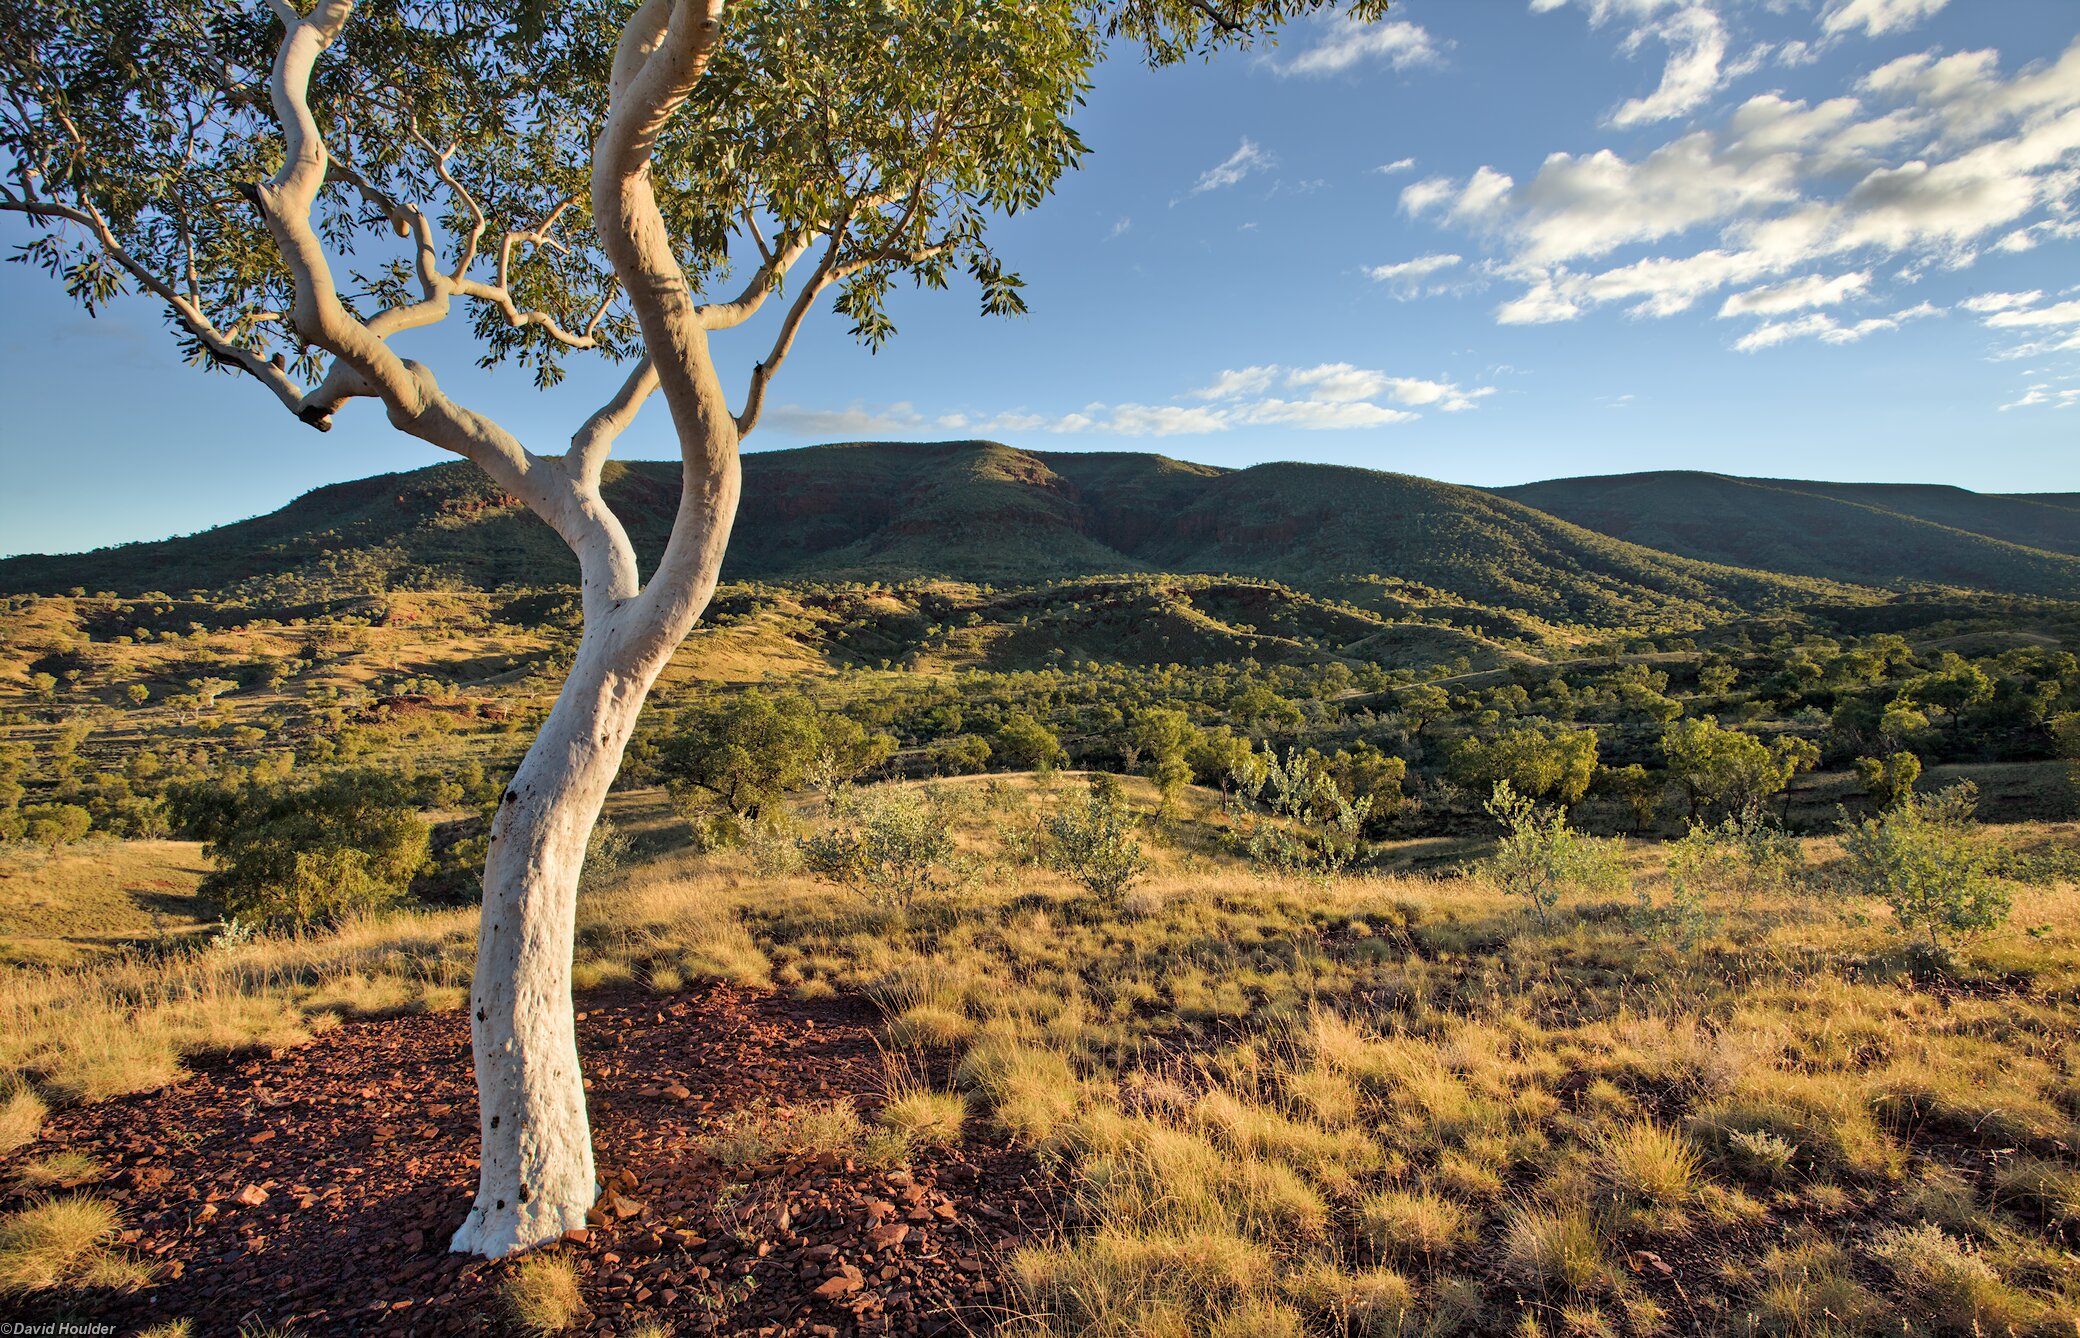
(62, 906)
(1349, 1105)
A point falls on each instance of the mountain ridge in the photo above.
(984, 512)
(1879, 534)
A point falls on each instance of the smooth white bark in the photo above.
(535, 1179)
(536, 1174)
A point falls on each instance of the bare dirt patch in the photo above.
(318, 1188)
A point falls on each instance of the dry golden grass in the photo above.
(1555, 1250)
(1029, 1090)
(2044, 1189)
(1950, 1284)
(1367, 1302)
(1649, 1163)
(63, 1242)
(59, 1170)
(540, 1294)
(1122, 1282)
(72, 905)
(923, 1117)
(1332, 1107)
(1414, 1224)
(21, 1118)
(172, 1328)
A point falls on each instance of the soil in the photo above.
(317, 1188)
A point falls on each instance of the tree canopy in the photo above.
(873, 138)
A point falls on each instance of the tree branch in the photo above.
(220, 346)
(591, 443)
(1215, 17)
(779, 258)
(783, 341)
(664, 49)
(366, 364)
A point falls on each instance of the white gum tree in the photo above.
(299, 182)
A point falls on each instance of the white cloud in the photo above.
(1966, 95)
(1396, 167)
(1877, 17)
(1935, 159)
(1696, 41)
(1544, 304)
(1239, 381)
(1819, 325)
(848, 424)
(1425, 195)
(1338, 382)
(2028, 238)
(1591, 205)
(1342, 383)
(1814, 290)
(2002, 301)
(1484, 193)
(2063, 313)
(1408, 277)
(1344, 44)
(1319, 415)
(2044, 393)
(1120, 228)
(1246, 159)
(1419, 268)
(1335, 396)
(1150, 420)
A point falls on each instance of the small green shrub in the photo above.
(314, 854)
(1540, 856)
(891, 847)
(606, 851)
(1314, 827)
(1920, 859)
(1888, 780)
(1094, 840)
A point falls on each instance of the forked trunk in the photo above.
(536, 1177)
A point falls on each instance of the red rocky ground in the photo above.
(318, 1188)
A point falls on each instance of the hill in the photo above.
(1885, 534)
(970, 511)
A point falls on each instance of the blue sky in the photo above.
(1485, 241)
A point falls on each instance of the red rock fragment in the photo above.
(844, 1284)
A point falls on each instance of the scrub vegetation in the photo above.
(1355, 955)
(1351, 1102)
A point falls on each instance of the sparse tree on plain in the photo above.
(298, 184)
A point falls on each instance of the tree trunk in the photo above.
(536, 1179)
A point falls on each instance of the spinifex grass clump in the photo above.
(63, 1242)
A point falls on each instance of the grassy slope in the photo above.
(1881, 534)
(1282, 1104)
(966, 510)
(1301, 523)
(66, 906)
(2049, 521)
